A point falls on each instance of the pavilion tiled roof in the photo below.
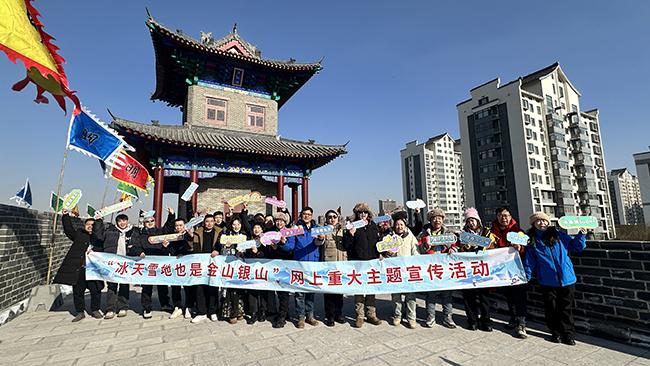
(228, 141)
(289, 65)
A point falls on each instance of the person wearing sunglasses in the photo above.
(148, 230)
(333, 251)
(362, 245)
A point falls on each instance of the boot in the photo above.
(301, 323)
(311, 321)
(359, 322)
(372, 316)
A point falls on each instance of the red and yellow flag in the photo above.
(132, 173)
(22, 38)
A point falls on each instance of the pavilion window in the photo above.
(255, 116)
(216, 110)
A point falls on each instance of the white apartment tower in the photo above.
(642, 162)
(529, 146)
(432, 171)
(626, 197)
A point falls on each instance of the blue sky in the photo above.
(393, 72)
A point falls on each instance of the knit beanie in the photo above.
(281, 216)
(472, 213)
(539, 216)
(435, 212)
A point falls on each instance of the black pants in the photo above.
(257, 301)
(117, 297)
(333, 305)
(232, 302)
(190, 297)
(147, 293)
(177, 298)
(79, 290)
(206, 300)
(477, 306)
(283, 305)
(517, 307)
(558, 310)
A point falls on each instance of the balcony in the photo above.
(593, 126)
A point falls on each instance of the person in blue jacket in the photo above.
(547, 259)
(305, 248)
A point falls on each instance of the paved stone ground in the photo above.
(49, 338)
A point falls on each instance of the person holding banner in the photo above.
(547, 259)
(477, 303)
(275, 252)
(257, 299)
(305, 248)
(333, 251)
(435, 227)
(73, 269)
(408, 248)
(148, 230)
(515, 295)
(362, 245)
(230, 308)
(205, 240)
(179, 248)
(121, 239)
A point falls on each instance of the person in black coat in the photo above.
(274, 251)
(361, 244)
(178, 248)
(148, 230)
(121, 239)
(73, 269)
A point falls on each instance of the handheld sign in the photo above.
(379, 219)
(390, 243)
(517, 238)
(270, 237)
(578, 222)
(444, 239)
(418, 203)
(194, 221)
(322, 230)
(189, 192)
(254, 197)
(148, 214)
(71, 199)
(356, 224)
(232, 239)
(157, 239)
(275, 202)
(248, 244)
(474, 240)
(294, 231)
(237, 200)
(113, 208)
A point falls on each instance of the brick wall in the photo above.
(214, 191)
(612, 297)
(24, 241)
(195, 113)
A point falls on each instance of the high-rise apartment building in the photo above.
(432, 171)
(626, 197)
(529, 145)
(642, 162)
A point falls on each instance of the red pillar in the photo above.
(294, 202)
(158, 193)
(194, 178)
(305, 191)
(280, 193)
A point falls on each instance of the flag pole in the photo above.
(56, 212)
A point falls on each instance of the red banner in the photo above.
(133, 173)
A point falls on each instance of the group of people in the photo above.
(545, 259)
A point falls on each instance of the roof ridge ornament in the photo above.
(206, 38)
(234, 28)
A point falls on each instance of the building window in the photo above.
(215, 111)
(255, 116)
(561, 92)
(237, 77)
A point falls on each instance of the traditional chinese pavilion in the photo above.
(228, 141)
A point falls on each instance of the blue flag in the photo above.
(24, 195)
(91, 137)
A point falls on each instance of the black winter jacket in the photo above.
(363, 245)
(106, 239)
